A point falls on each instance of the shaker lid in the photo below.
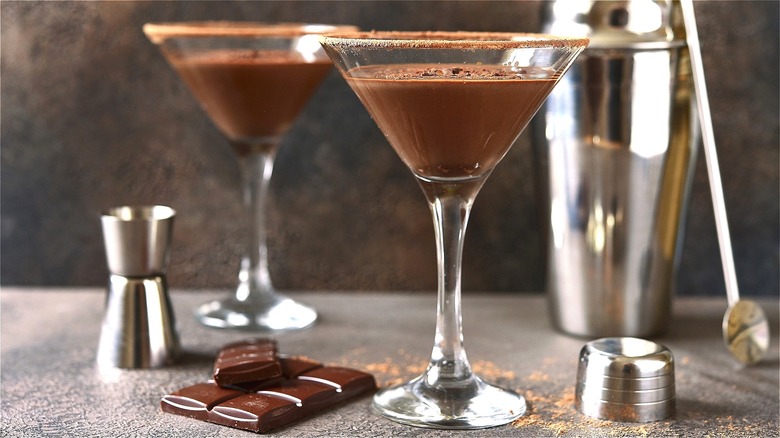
(627, 358)
(625, 379)
(611, 24)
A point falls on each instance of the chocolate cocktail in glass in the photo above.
(450, 104)
(252, 79)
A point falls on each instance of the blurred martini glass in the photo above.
(252, 79)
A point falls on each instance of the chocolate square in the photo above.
(347, 381)
(247, 361)
(195, 401)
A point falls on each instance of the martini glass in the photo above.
(450, 104)
(252, 79)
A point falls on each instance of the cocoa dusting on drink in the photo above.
(159, 32)
(450, 40)
(467, 71)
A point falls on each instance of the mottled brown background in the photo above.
(93, 117)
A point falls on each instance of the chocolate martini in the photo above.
(451, 122)
(252, 79)
(450, 104)
(251, 93)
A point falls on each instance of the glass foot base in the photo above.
(478, 406)
(280, 314)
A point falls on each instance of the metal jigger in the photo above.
(138, 327)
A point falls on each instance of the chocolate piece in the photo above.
(297, 365)
(247, 361)
(291, 368)
(195, 401)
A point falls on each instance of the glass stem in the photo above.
(450, 205)
(257, 163)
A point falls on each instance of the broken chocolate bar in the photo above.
(278, 403)
(247, 361)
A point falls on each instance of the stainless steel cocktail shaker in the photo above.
(138, 327)
(619, 136)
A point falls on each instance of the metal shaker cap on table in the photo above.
(627, 358)
(625, 379)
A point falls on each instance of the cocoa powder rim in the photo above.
(158, 32)
(450, 40)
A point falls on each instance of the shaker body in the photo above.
(619, 134)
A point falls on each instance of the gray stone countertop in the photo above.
(51, 386)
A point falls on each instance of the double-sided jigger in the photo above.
(625, 379)
(138, 327)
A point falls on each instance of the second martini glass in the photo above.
(451, 105)
(252, 79)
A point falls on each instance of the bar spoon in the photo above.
(745, 327)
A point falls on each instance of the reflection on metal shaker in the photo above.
(619, 133)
